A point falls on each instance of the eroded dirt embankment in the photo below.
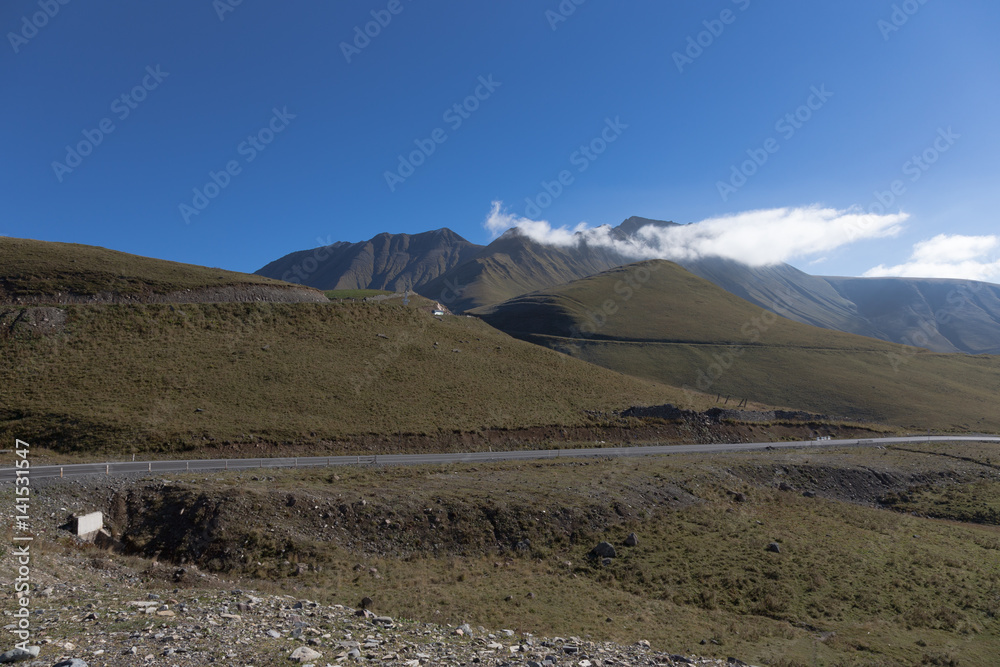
(246, 293)
(260, 523)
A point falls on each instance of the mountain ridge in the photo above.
(965, 317)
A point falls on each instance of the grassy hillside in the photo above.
(658, 321)
(42, 269)
(159, 376)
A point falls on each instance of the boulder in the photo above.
(774, 547)
(19, 654)
(631, 540)
(603, 550)
(305, 654)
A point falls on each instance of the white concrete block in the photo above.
(89, 523)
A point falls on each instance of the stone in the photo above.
(305, 654)
(809, 494)
(785, 486)
(19, 654)
(740, 497)
(603, 550)
(774, 547)
(631, 540)
(72, 662)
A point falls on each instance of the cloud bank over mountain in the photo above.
(757, 238)
(949, 256)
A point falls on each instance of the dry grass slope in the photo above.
(656, 320)
(40, 268)
(156, 376)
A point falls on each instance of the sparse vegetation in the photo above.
(504, 545)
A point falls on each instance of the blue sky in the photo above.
(644, 108)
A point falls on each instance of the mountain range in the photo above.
(937, 314)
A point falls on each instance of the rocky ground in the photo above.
(112, 620)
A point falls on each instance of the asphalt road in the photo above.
(210, 465)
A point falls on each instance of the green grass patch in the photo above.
(971, 503)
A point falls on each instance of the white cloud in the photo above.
(949, 256)
(757, 238)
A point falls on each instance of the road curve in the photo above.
(212, 465)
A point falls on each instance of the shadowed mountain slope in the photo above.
(939, 314)
(514, 264)
(387, 261)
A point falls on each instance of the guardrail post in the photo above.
(187, 466)
(107, 468)
(60, 471)
(296, 462)
(227, 464)
(150, 468)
